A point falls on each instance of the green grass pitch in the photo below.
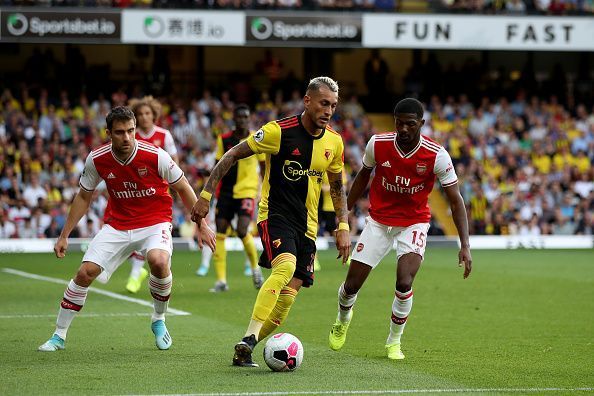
(523, 323)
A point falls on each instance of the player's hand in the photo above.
(343, 244)
(207, 236)
(200, 210)
(465, 258)
(61, 247)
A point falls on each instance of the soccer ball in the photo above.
(283, 352)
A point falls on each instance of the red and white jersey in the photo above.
(138, 187)
(160, 137)
(402, 183)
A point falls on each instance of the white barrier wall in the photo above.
(324, 243)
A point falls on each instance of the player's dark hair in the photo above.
(239, 107)
(316, 83)
(409, 106)
(119, 113)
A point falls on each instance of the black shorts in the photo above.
(278, 237)
(227, 208)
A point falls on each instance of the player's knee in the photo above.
(86, 274)
(159, 266)
(159, 263)
(284, 269)
(241, 233)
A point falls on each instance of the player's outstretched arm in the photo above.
(80, 206)
(461, 222)
(359, 186)
(240, 151)
(343, 238)
(205, 234)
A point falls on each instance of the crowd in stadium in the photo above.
(525, 164)
(549, 7)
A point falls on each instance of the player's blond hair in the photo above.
(152, 103)
(316, 83)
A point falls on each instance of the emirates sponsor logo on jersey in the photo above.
(421, 168)
(131, 191)
(401, 185)
(142, 172)
(293, 171)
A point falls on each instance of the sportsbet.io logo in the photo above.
(293, 171)
(153, 26)
(261, 28)
(17, 24)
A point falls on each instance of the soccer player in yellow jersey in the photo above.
(237, 193)
(299, 150)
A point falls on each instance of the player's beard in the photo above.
(124, 152)
(321, 124)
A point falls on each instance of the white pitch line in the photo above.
(388, 392)
(80, 315)
(93, 289)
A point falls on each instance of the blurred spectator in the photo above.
(53, 230)
(40, 221)
(34, 192)
(376, 74)
(27, 230)
(7, 227)
(531, 155)
(18, 213)
(88, 226)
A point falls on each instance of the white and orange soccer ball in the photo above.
(283, 352)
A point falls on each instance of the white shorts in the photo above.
(377, 240)
(111, 247)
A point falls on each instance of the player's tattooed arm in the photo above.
(240, 151)
(338, 197)
(343, 239)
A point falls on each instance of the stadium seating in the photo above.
(525, 166)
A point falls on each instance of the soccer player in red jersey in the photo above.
(138, 217)
(406, 165)
(147, 111)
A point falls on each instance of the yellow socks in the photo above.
(283, 267)
(250, 249)
(279, 313)
(220, 259)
